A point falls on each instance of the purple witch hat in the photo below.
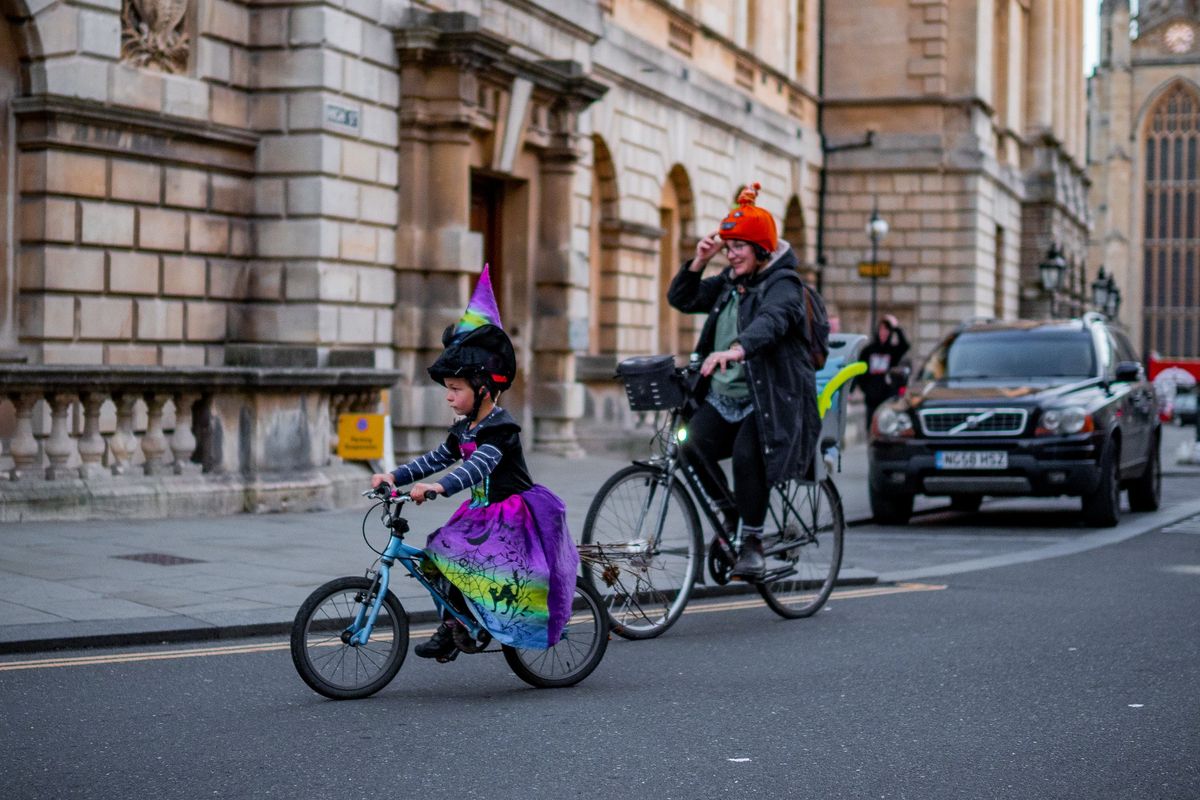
(482, 309)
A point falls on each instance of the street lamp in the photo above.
(1106, 295)
(877, 228)
(1100, 288)
(1052, 271)
(1113, 305)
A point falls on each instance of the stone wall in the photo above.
(325, 99)
(967, 137)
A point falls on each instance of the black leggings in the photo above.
(711, 439)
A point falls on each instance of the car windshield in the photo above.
(1013, 354)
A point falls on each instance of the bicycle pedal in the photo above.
(446, 659)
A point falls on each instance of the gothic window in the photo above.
(1171, 251)
(801, 42)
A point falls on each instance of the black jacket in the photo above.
(877, 386)
(772, 330)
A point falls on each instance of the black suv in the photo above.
(1021, 408)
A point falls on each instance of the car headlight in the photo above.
(1071, 419)
(889, 422)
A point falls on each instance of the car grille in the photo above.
(973, 421)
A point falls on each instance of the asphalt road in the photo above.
(1073, 677)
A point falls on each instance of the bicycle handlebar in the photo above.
(386, 491)
(691, 377)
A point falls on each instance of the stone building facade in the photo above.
(967, 133)
(1145, 131)
(202, 184)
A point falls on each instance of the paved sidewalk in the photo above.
(136, 581)
(131, 581)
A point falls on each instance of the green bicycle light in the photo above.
(681, 435)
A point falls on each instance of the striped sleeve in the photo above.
(473, 470)
(422, 466)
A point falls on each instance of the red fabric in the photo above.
(1189, 365)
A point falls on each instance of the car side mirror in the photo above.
(1128, 372)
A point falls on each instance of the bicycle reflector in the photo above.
(681, 435)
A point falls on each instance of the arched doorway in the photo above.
(1171, 225)
(10, 84)
(602, 252)
(793, 230)
(676, 215)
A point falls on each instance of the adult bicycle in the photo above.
(350, 637)
(642, 542)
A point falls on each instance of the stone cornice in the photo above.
(630, 227)
(549, 11)
(47, 120)
(20, 377)
(458, 39)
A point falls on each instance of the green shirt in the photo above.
(731, 382)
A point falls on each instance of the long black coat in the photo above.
(772, 329)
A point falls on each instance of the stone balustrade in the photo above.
(138, 441)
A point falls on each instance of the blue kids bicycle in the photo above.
(350, 636)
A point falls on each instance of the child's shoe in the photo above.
(440, 645)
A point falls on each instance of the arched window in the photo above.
(602, 288)
(1171, 225)
(10, 75)
(675, 331)
(793, 230)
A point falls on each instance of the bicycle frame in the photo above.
(672, 464)
(359, 631)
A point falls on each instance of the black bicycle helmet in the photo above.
(486, 351)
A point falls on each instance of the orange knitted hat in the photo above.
(750, 223)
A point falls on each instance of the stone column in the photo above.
(123, 443)
(91, 443)
(437, 254)
(59, 446)
(183, 440)
(23, 447)
(1040, 87)
(560, 328)
(154, 442)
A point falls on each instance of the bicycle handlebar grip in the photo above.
(431, 495)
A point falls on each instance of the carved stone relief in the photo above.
(153, 35)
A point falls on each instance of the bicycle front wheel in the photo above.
(323, 657)
(578, 652)
(803, 547)
(642, 544)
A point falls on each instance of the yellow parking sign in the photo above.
(360, 436)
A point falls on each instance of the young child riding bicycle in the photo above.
(506, 551)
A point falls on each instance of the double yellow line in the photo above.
(244, 649)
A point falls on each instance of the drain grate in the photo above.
(161, 559)
(1189, 525)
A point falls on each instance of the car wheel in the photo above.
(1102, 506)
(1145, 493)
(894, 508)
(966, 502)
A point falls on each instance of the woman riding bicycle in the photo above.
(758, 385)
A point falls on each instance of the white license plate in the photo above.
(972, 459)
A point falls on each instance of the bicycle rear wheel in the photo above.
(803, 546)
(642, 547)
(331, 666)
(575, 655)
